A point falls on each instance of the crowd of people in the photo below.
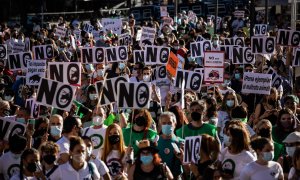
(243, 136)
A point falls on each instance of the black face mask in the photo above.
(114, 139)
(31, 167)
(140, 121)
(49, 159)
(264, 132)
(196, 116)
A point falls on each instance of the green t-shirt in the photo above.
(190, 130)
(278, 138)
(137, 136)
(278, 151)
(166, 152)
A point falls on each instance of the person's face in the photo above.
(55, 121)
(147, 72)
(230, 97)
(195, 108)
(248, 69)
(113, 131)
(88, 144)
(286, 120)
(32, 158)
(99, 111)
(78, 127)
(167, 120)
(267, 148)
(79, 149)
(291, 105)
(43, 125)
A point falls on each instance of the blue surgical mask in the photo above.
(237, 76)
(230, 103)
(268, 156)
(290, 151)
(55, 130)
(167, 129)
(191, 59)
(21, 120)
(226, 140)
(146, 159)
(121, 66)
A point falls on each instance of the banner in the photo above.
(160, 73)
(152, 55)
(125, 39)
(262, 45)
(242, 55)
(193, 80)
(260, 30)
(113, 24)
(288, 37)
(55, 94)
(87, 27)
(10, 127)
(35, 71)
(296, 61)
(227, 49)
(116, 54)
(33, 107)
(92, 55)
(214, 59)
(18, 47)
(191, 150)
(65, 72)
(43, 52)
(198, 48)
(172, 64)
(237, 41)
(134, 95)
(163, 11)
(60, 31)
(3, 51)
(18, 61)
(256, 83)
(147, 36)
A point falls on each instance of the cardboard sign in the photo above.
(227, 49)
(198, 48)
(10, 127)
(214, 59)
(134, 95)
(138, 35)
(167, 21)
(276, 79)
(237, 41)
(163, 11)
(296, 61)
(61, 31)
(112, 24)
(33, 107)
(260, 30)
(77, 34)
(92, 55)
(18, 47)
(262, 45)
(213, 75)
(242, 55)
(65, 72)
(160, 73)
(256, 83)
(147, 36)
(288, 37)
(191, 150)
(35, 71)
(55, 94)
(239, 14)
(43, 52)
(193, 80)
(110, 89)
(116, 54)
(172, 64)
(18, 61)
(152, 55)
(87, 27)
(3, 51)
(125, 39)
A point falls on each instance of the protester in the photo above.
(49, 152)
(294, 172)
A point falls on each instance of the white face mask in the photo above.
(98, 120)
(146, 78)
(93, 96)
(290, 151)
(268, 156)
(79, 158)
(100, 72)
(8, 98)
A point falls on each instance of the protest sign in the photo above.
(260, 30)
(87, 27)
(191, 150)
(237, 41)
(262, 45)
(163, 11)
(172, 64)
(10, 127)
(227, 49)
(213, 74)
(198, 48)
(65, 72)
(18, 61)
(18, 46)
(3, 51)
(276, 79)
(138, 35)
(147, 36)
(134, 95)
(296, 61)
(77, 34)
(32, 107)
(35, 71)
(92, 55)
(114, 24)
(27, 44)
(125, 39)
(256, 83)
(55, 94)
(116, 54)
(242, 55)
(61, 31)
(214, 59)
(110, 89)
(239, 14)
(152, 55)
(159, 73)
(167, 21)
(288, 37)
(193, 80)
(43, 52)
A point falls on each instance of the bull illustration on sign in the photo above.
(65, 97)
(2, 52)
(143, 95)
(34, 78)
(74, 74)
(196, 82)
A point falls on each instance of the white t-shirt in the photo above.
(9, 165)
(54, 175)
(64, 145)
(97, 136)
(68, 172)
(235, 162)
(223, 117)
(17, 177)
(133, 79)
(114, 163)
(101, 166)
(255, 171)
(292, 173)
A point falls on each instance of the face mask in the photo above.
(226, 140)
(146, 78)
(237, 76)
(226, 83)
(31, 167)
(230, 103)
(98, 120)
(196, 116)
(79, 158)
(268, 156)
(89, 151)
(290, 151)
(49, 159)
(264, 132)
(114, 139)
(146, 159)
(55, 130)
(16, 156)
(190, 59)
(21, 120)
(93, 96)
(100, 72)
(216, 42)
(8, 98)
(121, 66)
(140, 121)
(167, 129)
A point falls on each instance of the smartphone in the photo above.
(175, 147)
(31, 124)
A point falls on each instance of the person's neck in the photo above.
(77, 166)
(115, 147)
(48, 166)
(147, 167)
(27, 173)
(138, 128)
(197, 123)
(167, 136)
(262, 162)
(97, 127)
(56, 137)
(140, 77)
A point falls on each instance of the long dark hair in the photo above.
(212, 110)
(24, 155)
(279, 126)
